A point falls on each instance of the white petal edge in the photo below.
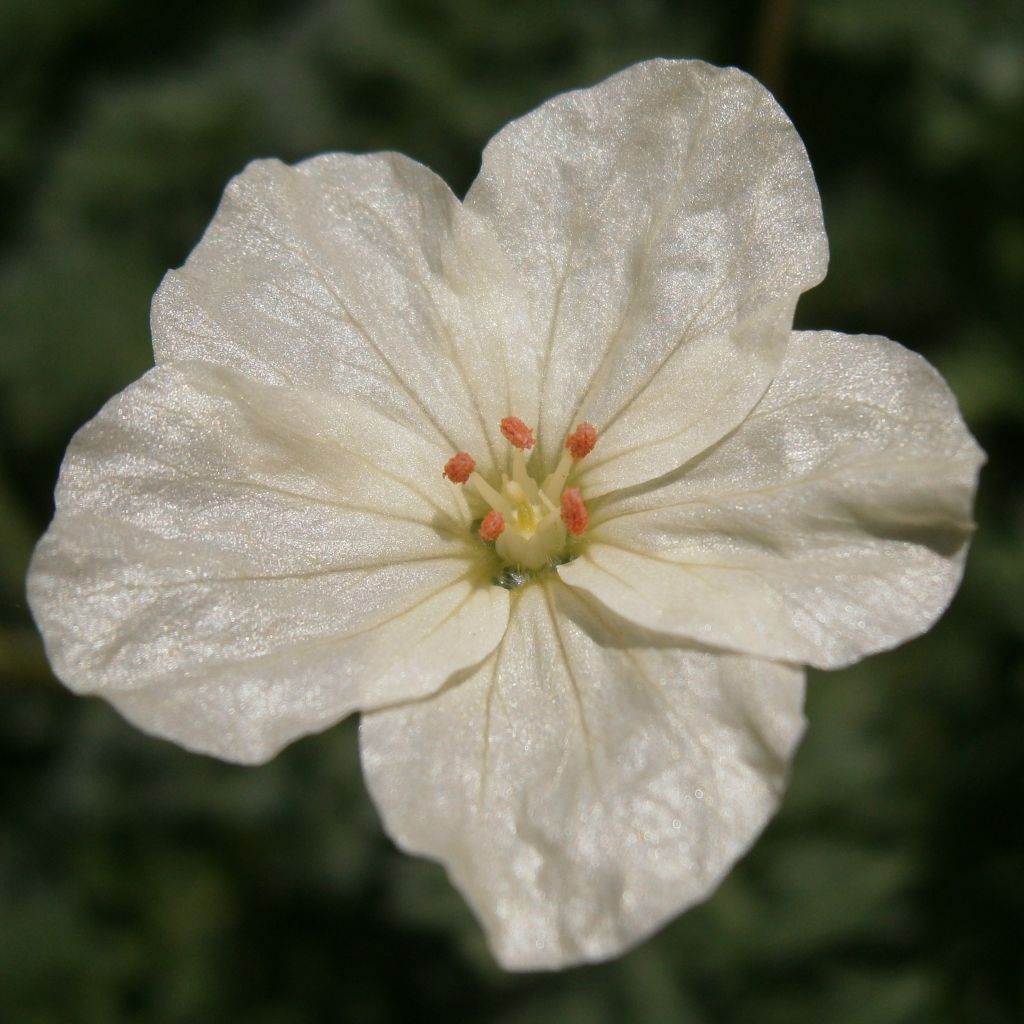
(833, 523)
(235, 564)
(663, 223)
(362, 275)
(589, 781)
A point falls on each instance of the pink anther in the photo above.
(581, 441)
(493, 526)
(459, 467)
(517, 433)
(574, 512)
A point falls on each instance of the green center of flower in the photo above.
(529, 521)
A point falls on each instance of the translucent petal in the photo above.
(832, 523)
(589, 781)
(361, 275)
(235, 564)
(663, 223)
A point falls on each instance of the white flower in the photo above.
(587, 712)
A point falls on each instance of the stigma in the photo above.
(530, 519)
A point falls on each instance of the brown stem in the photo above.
(772, 41)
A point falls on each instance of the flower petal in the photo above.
(589, 780)
(664, 223)
(832, 523)
(362, 275)
(235, 564)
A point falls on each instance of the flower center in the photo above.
(529, 522)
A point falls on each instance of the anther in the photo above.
(459, 467)
(493, 526)
(574, 512)
(517, 433)
(580, 443)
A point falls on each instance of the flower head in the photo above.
(542, 482)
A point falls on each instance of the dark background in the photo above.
(139, 883)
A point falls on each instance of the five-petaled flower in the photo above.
(542, 482)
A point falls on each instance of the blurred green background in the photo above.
(139, 883)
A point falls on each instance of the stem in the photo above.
(771, 44)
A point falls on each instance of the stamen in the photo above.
(554, 482)
(574, 512)
(527, 521)
(581, 441)
(517, 433)
(493, 526)
(493, 498)
(521, 475)
(459, 467)
(578, 445)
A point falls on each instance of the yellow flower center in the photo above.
(529, 522)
